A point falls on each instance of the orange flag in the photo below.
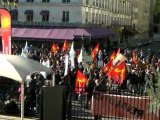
(65, 46)
(135, 60)
(118, 51)
(118, 74)
(55, 48)
(81, 82)
(113, 56)
(95, 51)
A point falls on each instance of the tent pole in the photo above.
(22, 100)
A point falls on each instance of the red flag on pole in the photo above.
(118, 74)
(113, 56)
(108, 67)
(65, 46)
(81, 82)
(118, 51)
(55, 48)
(95, 52)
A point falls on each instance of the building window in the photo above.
(93, 3)
(30, 1)
(46, 1)
(65, 1)
(14, 14)
(86, 20)
(92, 17)
(87, 2)
(96, 18)
(96, 3)
(65, 17)
(45, 15)
(99, 16)
(29, 15)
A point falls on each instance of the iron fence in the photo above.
(112, 105)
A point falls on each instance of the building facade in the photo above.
(102, 12)
(141, 17)
(115, 14)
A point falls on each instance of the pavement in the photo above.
(4, 117)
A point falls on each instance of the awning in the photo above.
(28, 12)
(14, 12)
(60, 33)
(44, 12)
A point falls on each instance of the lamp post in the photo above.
(9, 3)
(83, 40)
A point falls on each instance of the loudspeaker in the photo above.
(53, 103)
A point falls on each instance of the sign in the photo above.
(6, 30)
(88, 58)
(128, 107)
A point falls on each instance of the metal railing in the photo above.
(113, 105)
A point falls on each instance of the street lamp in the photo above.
(83, 40)
(9, 3)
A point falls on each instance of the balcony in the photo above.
(52, 24)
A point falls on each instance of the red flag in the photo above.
(55, 48)
(113, 56)
(118, 74)
(81, 82)
(108, 67)
(65, 46)
(95, 51)
(119, 51)
(135, 60)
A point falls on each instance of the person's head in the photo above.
(95, 72)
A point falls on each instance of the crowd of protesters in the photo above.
(139, 76)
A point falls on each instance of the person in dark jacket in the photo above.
(89, 91)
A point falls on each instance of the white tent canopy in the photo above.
(17, 68)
